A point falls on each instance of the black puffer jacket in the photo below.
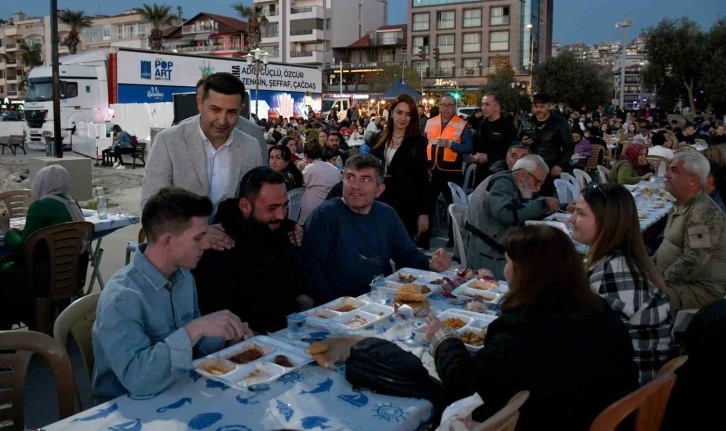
(552, 139)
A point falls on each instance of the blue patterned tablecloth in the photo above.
(103, 226)
(306, 399)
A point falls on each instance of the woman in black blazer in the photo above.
(402, 150)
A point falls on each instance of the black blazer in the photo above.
(407, 178)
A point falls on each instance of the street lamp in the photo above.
(257, 59)
(531, 56)
(624, 25)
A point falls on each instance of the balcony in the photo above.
(386, 39)
(306, 35)
(303, 57)
(200, 28)
(11, 47)
(307, 12)
(271, 15)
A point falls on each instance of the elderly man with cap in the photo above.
(549, 136)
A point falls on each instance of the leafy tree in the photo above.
(501, 67)
(77, 21)
(572, 81)
(256, 21)
(715, 65)
(32, 56)
(675, 50)
(159, 16)
(384, 80)
(511, 94)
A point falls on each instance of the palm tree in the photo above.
(77, 21)
(32, 56)
(158, 16)
(256, 21)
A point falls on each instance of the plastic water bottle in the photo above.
(101, 204)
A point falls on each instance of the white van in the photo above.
(340, 104)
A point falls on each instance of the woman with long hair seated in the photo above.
(633, 167)
(621, 272)
(281, 161)
(555, 338)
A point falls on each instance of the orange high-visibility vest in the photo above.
(441, 158)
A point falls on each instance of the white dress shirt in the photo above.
(217, 168)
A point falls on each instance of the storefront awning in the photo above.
(202, 36)
(188, 37)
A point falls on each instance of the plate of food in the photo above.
(417, 276)
(345, 304)
(357, 320)
(425, 288)
(471, 327)
(257, 360)
(411, 296)
(489, 296)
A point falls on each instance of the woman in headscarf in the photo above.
(50, 205)
(633, 167)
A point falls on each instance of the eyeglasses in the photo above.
(537, 181)
(446, 105)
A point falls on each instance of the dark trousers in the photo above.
(440, 184)
(107, 156)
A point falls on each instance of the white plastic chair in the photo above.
(582, 178)
(457, 195)
(572, 180)
(603, 174)
(469, 174)
(458, 216)
(294, 201)
(563, 191)
(574, 192)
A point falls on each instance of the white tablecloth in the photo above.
(103, 227)
(309, 398)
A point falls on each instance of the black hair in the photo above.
(541, 98)
(329, 154)
(433, 112)
(253, 181)
(313, 150)
(116, 128)
(285, 152)
(578, 130)
(494, 95)
(199, 83)
(170, 210)
(225, 83)
(663, 124)
(362, 161)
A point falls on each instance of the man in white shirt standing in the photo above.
(206, 155)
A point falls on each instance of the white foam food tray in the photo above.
(362, 316)
(220, 366)
(465, 291)
(417, 276)
(474, 323)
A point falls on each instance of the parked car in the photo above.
(465, 111)
(11, 116)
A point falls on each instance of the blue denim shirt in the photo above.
(139, 341)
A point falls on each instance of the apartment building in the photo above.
(23, 29)
(303, 31)
(210, 34)
(128, 30)
(365, 58)
(467, 35)
(633, 91)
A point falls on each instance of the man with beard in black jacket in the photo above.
(549, 136)
(261, 277)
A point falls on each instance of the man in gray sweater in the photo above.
(500, 204)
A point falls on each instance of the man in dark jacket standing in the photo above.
(493, 137)
(261, 277)
(550, 137)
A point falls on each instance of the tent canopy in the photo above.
(401, 87)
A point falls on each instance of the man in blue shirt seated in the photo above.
(148, 327)
(349, 241)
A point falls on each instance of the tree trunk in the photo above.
(691, 103)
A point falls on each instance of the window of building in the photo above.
(388, 55)
(470, 63)
(445, 43)
(388, 38)
(420, 67)
(272, 29)
(420, 22)
(472, 18)
(446, 68)
(499, 41)
(327, 23)
(499, 16)
(2, 74)
(472, 42)
(420, 44)
(2, 89)
(445, 20)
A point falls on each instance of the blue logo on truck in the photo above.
(145, 69)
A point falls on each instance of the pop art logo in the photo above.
(162, 70)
